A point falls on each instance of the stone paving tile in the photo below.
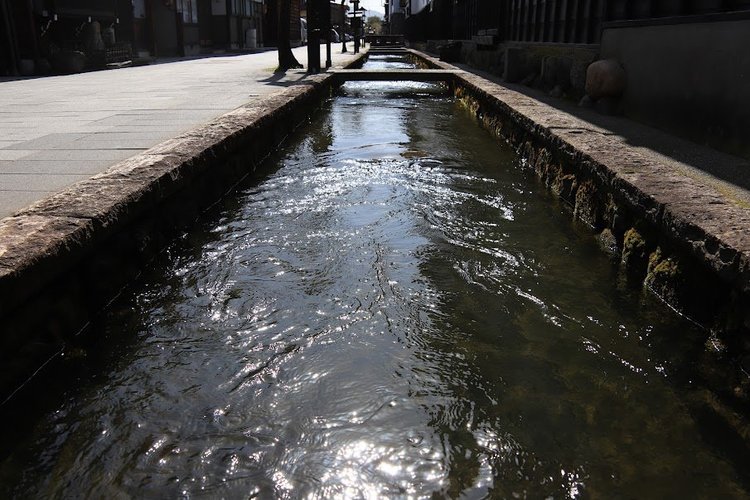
(49, 141)
(11, 200)
(172, 127)
(151, 119)
(56, 167)
(37, 182)
(12, 154)
(113, 155)
(102, 117)
(120, 140)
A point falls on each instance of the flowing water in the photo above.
(397, 310)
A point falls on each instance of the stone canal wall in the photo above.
(65, 257)
(683, 238)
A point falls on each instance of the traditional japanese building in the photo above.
(687, 67)
(271, 22)
(395, 16)
(39, 36)
(238, 24)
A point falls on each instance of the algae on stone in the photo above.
(634, 252)
(586, 204)
(664, 277)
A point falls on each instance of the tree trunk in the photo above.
(286, 57)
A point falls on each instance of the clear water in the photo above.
(397, 310)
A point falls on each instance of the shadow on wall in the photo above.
(692, 79)
(528, 80)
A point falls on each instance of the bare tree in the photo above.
(286, 57)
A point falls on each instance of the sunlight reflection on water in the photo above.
(393, 312)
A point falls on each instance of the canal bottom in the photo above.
(397, 310)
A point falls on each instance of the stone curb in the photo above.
(63, 224)
(43, 246)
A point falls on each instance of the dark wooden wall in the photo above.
(550, 21)
(580, 21)
(558, 21)
(621, 10)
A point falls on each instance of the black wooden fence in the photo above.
(560, 21)
(550, 21)
(580, 21)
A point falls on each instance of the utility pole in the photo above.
(228, 8)
(326, 15)
(355, 25)
(14, 58)
(313, 36)
(343, 27)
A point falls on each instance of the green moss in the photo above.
(586, 204)
(633, 248)
(667, 269)
(665, 278)
(653, 260)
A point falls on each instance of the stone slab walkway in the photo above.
(55, 131)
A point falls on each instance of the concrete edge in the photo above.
(67, 221)
(47, 245)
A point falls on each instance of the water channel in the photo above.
(397, 309)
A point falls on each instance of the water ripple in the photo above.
(394, 312)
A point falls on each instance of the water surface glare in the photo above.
(397, 310)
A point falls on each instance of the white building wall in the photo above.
(418, 5)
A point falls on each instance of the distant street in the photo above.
(58, 130)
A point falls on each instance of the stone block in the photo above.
(556, 71)
(68, 61)
(483, 40)
(578, 68)
(605, 78)
(514, 67)
(520, 63)
(450, 52)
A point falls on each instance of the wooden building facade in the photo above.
(687, 67)
(550, 21)
(34, 33)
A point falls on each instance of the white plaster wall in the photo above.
(418, 5)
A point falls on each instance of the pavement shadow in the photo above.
(149, 61)
(286, 78)
(239, 53)
(17, 78)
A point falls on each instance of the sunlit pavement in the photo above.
(55, 131)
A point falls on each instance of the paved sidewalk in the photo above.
(55, 131)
